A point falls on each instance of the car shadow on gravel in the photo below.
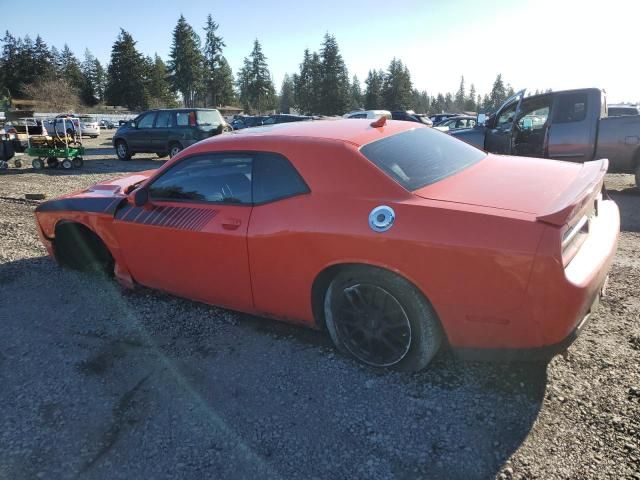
(274, 400)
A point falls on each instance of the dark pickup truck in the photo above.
(567, 125)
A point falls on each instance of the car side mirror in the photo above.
(140, 197)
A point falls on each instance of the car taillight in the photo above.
(578, 231)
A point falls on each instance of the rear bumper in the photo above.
(557, 301)
(543, 353)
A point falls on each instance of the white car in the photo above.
(373, 114)
(89, 127)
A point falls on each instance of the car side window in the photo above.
(505, 120)
(147, 120)
(164, 119)
(182, 119)
(274, 178)
(214, 178)
(570, 107)
(269, 121)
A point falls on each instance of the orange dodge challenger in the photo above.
(393, 236)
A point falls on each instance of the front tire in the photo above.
(122, 150)
(381, 319)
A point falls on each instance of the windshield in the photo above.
(209, 118)
(420, 157)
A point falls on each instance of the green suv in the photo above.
(166, 132)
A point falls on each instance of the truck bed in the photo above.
(619, 141)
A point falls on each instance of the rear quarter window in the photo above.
(422, 156)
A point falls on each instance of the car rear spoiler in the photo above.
(585, 187)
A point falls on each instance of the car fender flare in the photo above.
(120, 269)
(323, 277)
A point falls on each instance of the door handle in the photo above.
(231, 223)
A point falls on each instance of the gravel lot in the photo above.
(97, 382)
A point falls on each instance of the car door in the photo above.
(190, 238)
(275, 242)
(161, 128)
(499, 135)
(140, 138)
(574, 126)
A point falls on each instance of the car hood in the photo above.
(116, 187)
(521, 184)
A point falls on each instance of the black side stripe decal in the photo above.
(182, 218)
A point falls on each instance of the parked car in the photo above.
(69, 124)
(462, 121)
(89, 127)
(248, 122)
(107, 124)
(368, 114)
(441, 117)
(167, 132)
(618, 110)
(285, 118)
(571, 125)
(392, 237)
(18, 129)
(411, 116)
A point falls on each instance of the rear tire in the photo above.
(37, 163)
(381, 319)
(174, 149)
(66, 164)
(122, 150)
(77, 162)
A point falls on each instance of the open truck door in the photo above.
(499, 134)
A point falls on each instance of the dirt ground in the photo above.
(97, 382)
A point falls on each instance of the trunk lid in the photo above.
(551, 190)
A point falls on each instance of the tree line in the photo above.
(197, 74)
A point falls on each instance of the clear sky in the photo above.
(534, 44)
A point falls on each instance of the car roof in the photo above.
(354, 131)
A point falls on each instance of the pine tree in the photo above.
(373, 92)
(257, 92)
(88, 92)
(43, 60)
(334, 86)
(470, 102)
(461, 96)
(420, 102)
(307, 84)
(158, 87)
(356, 94)
(70, 68)
(218, 75)
(396, 86)
(126, 74)
(286, 95)
(497, 96)
(186, 63)
(9, 79)
(100, 80)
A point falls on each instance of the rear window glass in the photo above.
(420, 157)
(571, 107)
(209, 118)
